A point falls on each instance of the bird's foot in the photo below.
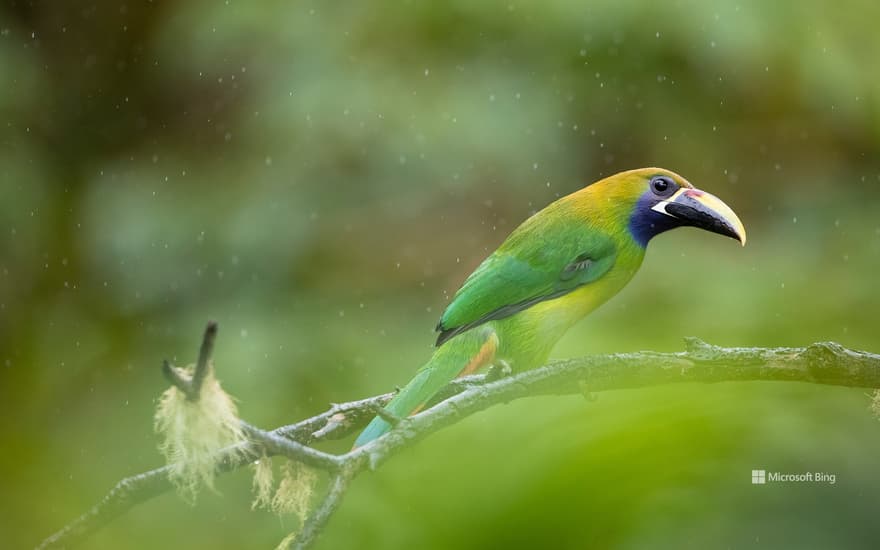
(499, 369)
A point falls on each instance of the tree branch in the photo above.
(821, 363)
(319, 518)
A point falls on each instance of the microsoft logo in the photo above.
(759, 477)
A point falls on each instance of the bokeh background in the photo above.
(320, 177)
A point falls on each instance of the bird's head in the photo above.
(657, 200)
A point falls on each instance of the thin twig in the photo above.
(125, 494)
(177, 378)
(274, 444)
(387, 415)
(203, 365)
(822, 363)
(192, 386)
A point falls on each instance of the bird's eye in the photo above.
(662, 185)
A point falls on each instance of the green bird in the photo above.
(551, 271)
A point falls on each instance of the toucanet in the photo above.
(559, 265)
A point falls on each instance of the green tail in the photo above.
(445, 365)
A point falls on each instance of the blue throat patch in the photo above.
(645, 224)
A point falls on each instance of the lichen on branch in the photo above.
(194, 432)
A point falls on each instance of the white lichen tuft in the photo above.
(263, 483)
(875, 403)
(286, 541)
(295, 490)
(293, 496)
(194, 431)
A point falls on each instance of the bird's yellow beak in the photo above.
(704, 210)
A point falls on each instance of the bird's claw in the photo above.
(499, 369)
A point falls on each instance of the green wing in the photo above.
(539, 261)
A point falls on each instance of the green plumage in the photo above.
(545, 258)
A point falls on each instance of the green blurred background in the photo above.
(319, 177)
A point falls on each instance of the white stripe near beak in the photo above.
(661, 206)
